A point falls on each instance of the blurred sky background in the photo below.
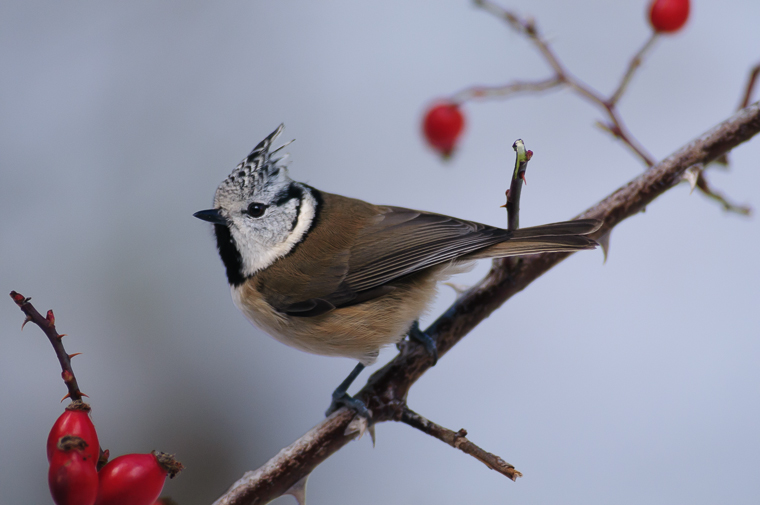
(631, 382)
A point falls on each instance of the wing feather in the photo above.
(398, 242)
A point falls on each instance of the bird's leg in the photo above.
(340, 397)
(419, 336)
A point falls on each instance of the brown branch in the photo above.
(386, 390)
(47, 325)
(457, 440)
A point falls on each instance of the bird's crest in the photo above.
(259, 169)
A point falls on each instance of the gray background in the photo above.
(631, 382)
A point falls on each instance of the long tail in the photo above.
(566, 236)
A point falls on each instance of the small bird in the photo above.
(336, 276)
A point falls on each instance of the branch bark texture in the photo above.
(386, 390)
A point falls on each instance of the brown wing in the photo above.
(405, 241)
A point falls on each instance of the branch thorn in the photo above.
(26, 320)
(604, 242)
(298, 490)
(691, 175)
(358, 424)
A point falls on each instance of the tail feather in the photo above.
(577, 227)
(534, 245)
(566, 236)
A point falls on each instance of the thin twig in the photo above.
(751, 82)
(458, 440)
(386, 390)
(47, 325)
(522, 157)
(621, 131)
(633, 65)
(705, 189)
(475, 92)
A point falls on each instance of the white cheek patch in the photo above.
(257, 256)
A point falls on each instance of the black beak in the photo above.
(210, 215)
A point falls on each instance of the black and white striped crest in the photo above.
(259, 158)
(257, 171)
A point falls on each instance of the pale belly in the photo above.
(358, 331)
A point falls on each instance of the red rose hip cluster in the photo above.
(74, 451)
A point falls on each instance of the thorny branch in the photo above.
(386, 390)
(47, 325)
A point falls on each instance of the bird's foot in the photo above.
(419, 336)
(344, 400)
(340, 397)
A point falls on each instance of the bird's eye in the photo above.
(256, 209)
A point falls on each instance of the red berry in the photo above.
(442, 126)
(72, 478)
(668, 16)
(135, 479)
(75, 421)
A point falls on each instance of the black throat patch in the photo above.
(231, 258)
